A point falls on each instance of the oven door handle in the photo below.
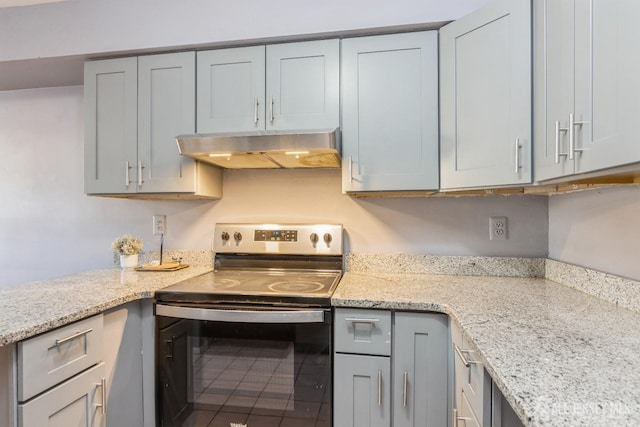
(243, 315)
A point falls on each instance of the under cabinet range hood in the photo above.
(265, 149)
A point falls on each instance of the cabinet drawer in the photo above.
(363, 331)
(475, 383)
(79, 401)
(55, 356)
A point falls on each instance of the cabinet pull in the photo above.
(127, 178)
(518, 147)
(140, 168)
(558, 153)
(70, 337)
(350, 169)
(465, 419)
(572, 136)
(271, 108)
(255, 111)
(465, 361)
(379, 388)
(103, 404)
(361, 320)
(404, 389)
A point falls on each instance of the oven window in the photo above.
(218, 374)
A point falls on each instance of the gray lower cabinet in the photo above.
(129, 364)
(79, 401)
(288, 86)
(404, 384)
(390, 112)
(420, 363)
(485, 97)
(362, 391)
(134, 109)
(587, 94)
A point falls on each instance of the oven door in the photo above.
(259, 367)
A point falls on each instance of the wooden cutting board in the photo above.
(165, 266)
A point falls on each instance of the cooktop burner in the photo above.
(296, 286)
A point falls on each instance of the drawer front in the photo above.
(79, 401)
(363, 331)
(475, 383)
(55, 356)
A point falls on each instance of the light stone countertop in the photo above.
(38, 307)
(559, 356)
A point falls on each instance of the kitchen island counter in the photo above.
(38, 307)
(559, 356)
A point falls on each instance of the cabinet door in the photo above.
(361, 396)
(231, 90)
(166, 108)
(390, 112)
(607, 97)
(485, 82)
(420, 370)
(123, 366)
(553, 87)
(303, 85)
(110, 153)
(77, 402)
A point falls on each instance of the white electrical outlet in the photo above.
(159, 224)
(498, 228)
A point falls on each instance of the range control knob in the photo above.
(225, 236)
(314, 238)
(327, 238)
(237, 236)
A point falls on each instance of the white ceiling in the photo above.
(12, 3)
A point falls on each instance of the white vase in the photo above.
(129, 261)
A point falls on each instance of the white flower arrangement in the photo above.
(127, 245)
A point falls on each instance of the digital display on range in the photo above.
(275, 236)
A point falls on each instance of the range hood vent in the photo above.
(264, 149)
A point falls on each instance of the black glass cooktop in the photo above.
(256, 286)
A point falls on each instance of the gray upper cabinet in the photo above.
(420, 370)
(390, 112)
(231, 89)
(110, 122)
(485, 97)
(290, 86)
(135, 107)
(587, 94)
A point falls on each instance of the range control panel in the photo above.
(275, 236)
(293, 239)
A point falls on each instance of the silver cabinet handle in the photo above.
(103, 404)
(558, 153)
(404, 389)
(271, 108)
(361, 320)
(572, 136)
(379, 388)
(140, 168)
(465, 419)
(241, 316)
(255, 111)
(350, 169)
(127, 178)
(70, 338)
(466, 361)
(518, 147)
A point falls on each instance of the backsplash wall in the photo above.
(49, 227)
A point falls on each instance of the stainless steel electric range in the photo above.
(250, 343)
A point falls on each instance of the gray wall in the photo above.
(597, 228)
(48, 227)
(80, 27)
